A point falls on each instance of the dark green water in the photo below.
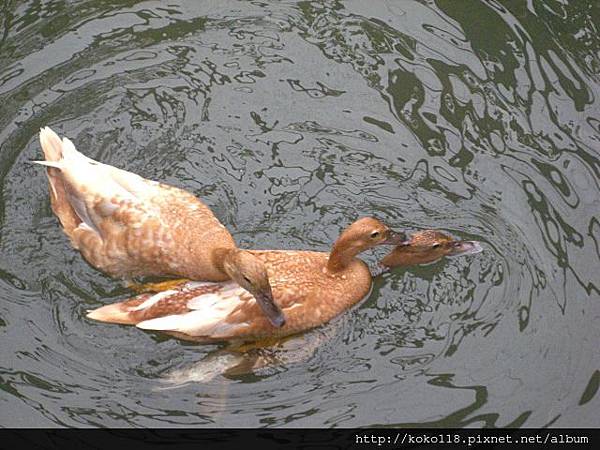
(290, 120)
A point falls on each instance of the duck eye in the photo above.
(375, 234)
(247, 279)
(435, 245)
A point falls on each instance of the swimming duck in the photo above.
(128, 226)
(242, 358)
(425, 247)
(310, 287)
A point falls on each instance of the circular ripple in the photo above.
(291, 121)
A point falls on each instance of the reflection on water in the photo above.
(290, 120)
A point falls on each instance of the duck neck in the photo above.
(341, 255)
(220, 256)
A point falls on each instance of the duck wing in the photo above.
(199, 309)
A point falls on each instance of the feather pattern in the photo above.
(307, 295)
(129, 226)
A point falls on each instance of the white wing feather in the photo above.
(208, 315)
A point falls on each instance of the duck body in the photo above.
(310, 288)
(307, 295)
(126, 225)
(169, 233)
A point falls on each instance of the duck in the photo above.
(239, 359)
(128, 226)
(310, 287)
(427, 247)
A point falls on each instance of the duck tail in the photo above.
(51, 145)
(115, 313)
(56, 151)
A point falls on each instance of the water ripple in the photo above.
(290, 120)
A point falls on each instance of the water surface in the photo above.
(290, 120)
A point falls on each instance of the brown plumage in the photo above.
(311, 288)
(128, 226)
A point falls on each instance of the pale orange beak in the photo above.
(270, 308)
(461, 248)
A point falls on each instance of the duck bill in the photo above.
(394, 238)
(463, 248)
(270, 309)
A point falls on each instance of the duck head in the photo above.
(362, 235)
(250, 273)
(428, 246)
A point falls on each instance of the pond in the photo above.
(290, 120)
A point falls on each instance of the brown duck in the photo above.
(128, 226)
(310, 288)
